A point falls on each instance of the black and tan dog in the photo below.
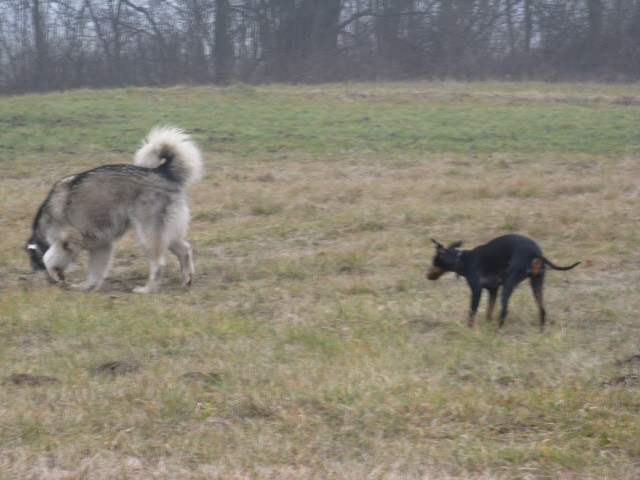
(504, 261)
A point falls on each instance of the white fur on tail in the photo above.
(164, 142)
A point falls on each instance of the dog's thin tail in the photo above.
(556, 267)
(172, 150)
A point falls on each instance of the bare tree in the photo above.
(46, 44)
(41, 60)
(223, 44)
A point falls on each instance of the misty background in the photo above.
(61, 44)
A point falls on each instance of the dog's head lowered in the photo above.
(37, 245)
(444, 260)
(36, 248)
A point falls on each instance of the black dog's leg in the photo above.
(513, 276)
(510, 282)
(493, 295)
(536, 286)
(476, 292)
(506, 294)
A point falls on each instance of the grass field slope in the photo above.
(310, 344)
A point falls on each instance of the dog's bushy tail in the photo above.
(171, 148)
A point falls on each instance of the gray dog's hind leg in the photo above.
(155, 257)
(182, 250)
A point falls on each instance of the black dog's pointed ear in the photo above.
(456, 244)
(438, 244)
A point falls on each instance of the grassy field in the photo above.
(311, 345)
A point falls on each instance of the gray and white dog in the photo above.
(91, 210)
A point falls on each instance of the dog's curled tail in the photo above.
(171, 148)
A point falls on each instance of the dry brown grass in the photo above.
(322, 351)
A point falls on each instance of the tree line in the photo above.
(60, 44)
